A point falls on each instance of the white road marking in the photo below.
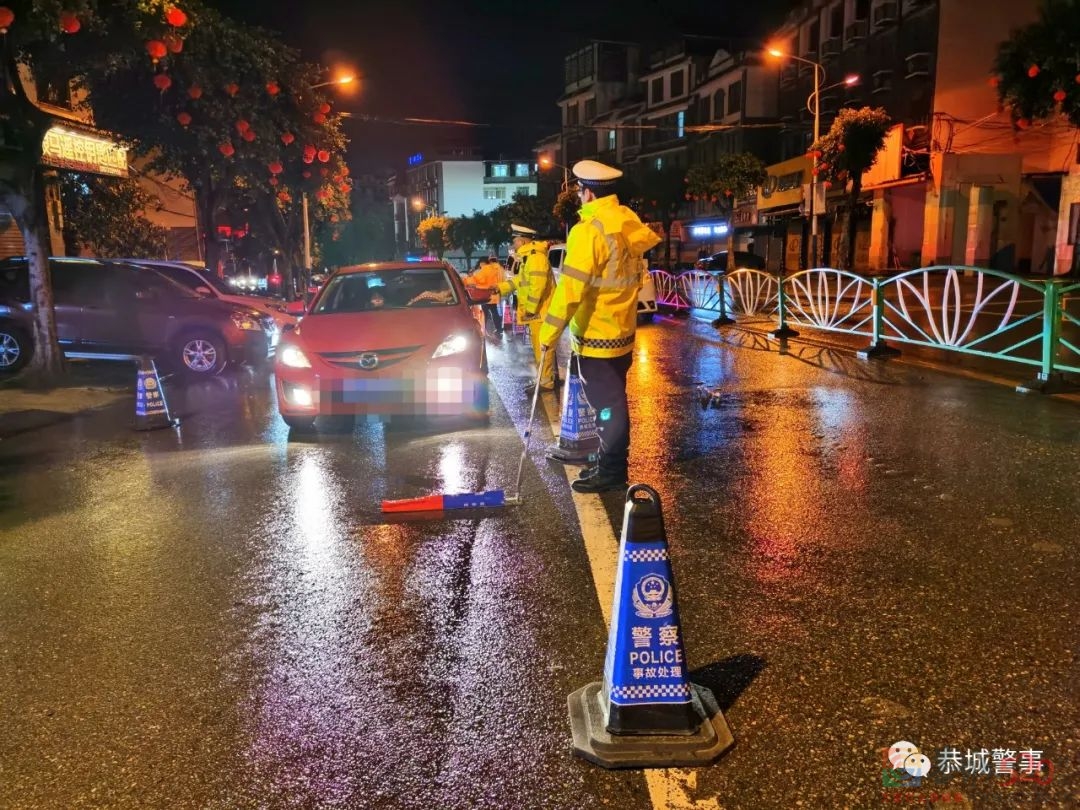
(669, 788)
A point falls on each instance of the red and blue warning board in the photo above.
(646, 662)
(149, 399)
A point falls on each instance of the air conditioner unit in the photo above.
(918, 65)
(885, 14)
(856, 31)
(830, 48)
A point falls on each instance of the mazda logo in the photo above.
(369, 360)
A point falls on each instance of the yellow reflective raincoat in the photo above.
(534, 283)
(488, 277)
(598, 285)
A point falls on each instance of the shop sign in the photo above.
(83, 152)
(784, 183)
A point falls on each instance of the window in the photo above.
(659, 163)
(500, 170)
(631, 137)
(495, 193)
(678, 83)
(611, 140)
(521, 170)
(734, 99)
(718, 104)
(523, 190)
(590, 110)
(571, 115)
(812, 37)
(836, 22)
(680, 124)
(862, 10)
(657, 93)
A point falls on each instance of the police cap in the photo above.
(595, 175)
(521, 230)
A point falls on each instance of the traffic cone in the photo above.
(646, 713)
(151, 410)
(508, 316)
(578, 443)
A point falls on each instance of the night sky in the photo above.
(496, 62)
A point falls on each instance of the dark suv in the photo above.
(109, 310)
(718, 262)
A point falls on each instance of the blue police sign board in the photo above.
(149, 399)
(579, 420)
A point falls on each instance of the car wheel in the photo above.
(301, 424)
(202, 354)
(14, 349)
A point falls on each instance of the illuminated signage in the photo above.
(706, 231)
(82, 152)
(784, 182)
(417, 159)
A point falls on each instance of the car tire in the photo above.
(201, 354)
(301, 424)
(15, 349)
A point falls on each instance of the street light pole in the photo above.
(307, 238)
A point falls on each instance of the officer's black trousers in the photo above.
(604, 381)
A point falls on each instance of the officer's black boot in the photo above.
(603, 481)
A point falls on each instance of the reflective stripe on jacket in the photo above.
(598, 285)
(534, 283)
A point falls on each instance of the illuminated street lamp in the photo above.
(547, 163)
(343, 80)
(815, 101)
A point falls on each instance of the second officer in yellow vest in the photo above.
(534, 285)
(597, 296)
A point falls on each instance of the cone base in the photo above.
(167, 423)
(572, 455)
(593, 742)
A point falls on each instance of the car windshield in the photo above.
(155, 282)
(184, 276)
(389, 289)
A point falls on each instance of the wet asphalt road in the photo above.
(221, 618)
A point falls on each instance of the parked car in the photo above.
(392, 339)
(205, 283)
(646, 305)
(109, 310)
(718, 262)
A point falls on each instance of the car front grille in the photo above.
(384, 358)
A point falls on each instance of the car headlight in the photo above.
(455, 344)
(248, 323)
(292, 357)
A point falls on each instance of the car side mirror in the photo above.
(478, 296)
(296, 308)
(205, 292)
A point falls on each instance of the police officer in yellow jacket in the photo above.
(597, 296)
(488, 276)
(534, 285)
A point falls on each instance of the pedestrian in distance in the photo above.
(597, 297)
(488, 276)
(533, 286)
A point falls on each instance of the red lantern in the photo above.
(335, 218)
(273, 88)
(184, 118)
(1023, 123)
(195, 91)
(728, 192)
(840, 147)
(287, 138)
(157, 50)
(227, 149)
(7, 17)
(273, 181)
(307, 174)
(249, 135)
(324, 156)
(162, 82)
(242, 126)
(175, 17)
(309, 158)
(344, 171)
(1059, 96)
(309, 150)
(993, 81)
(319, 118)
(69, 23)
(276, 168)
(827, 184)
(321, 194)
(324, 108)
(284, 196)
(1033, 71)
(1078, 78)
(343, 188)
(173, 43)
(232, 88)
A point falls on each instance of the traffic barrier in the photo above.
(578, 442)
(151, 410)
(439, 503)
(646, 713)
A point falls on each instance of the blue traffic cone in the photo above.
(578, 443)
(151, 410)
(646, 713)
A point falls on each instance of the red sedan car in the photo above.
(385, 339)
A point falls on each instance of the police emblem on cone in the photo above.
(578, 443)
(151, 410)
(646, 713)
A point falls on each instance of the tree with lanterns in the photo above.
(434, 233)
(566, 207)
(843, 154)
(1037, 70)
(657, 197)
(729, 178)
(104, 217)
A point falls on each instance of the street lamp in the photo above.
(547, 163)
(343, 80)
(815, 97)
